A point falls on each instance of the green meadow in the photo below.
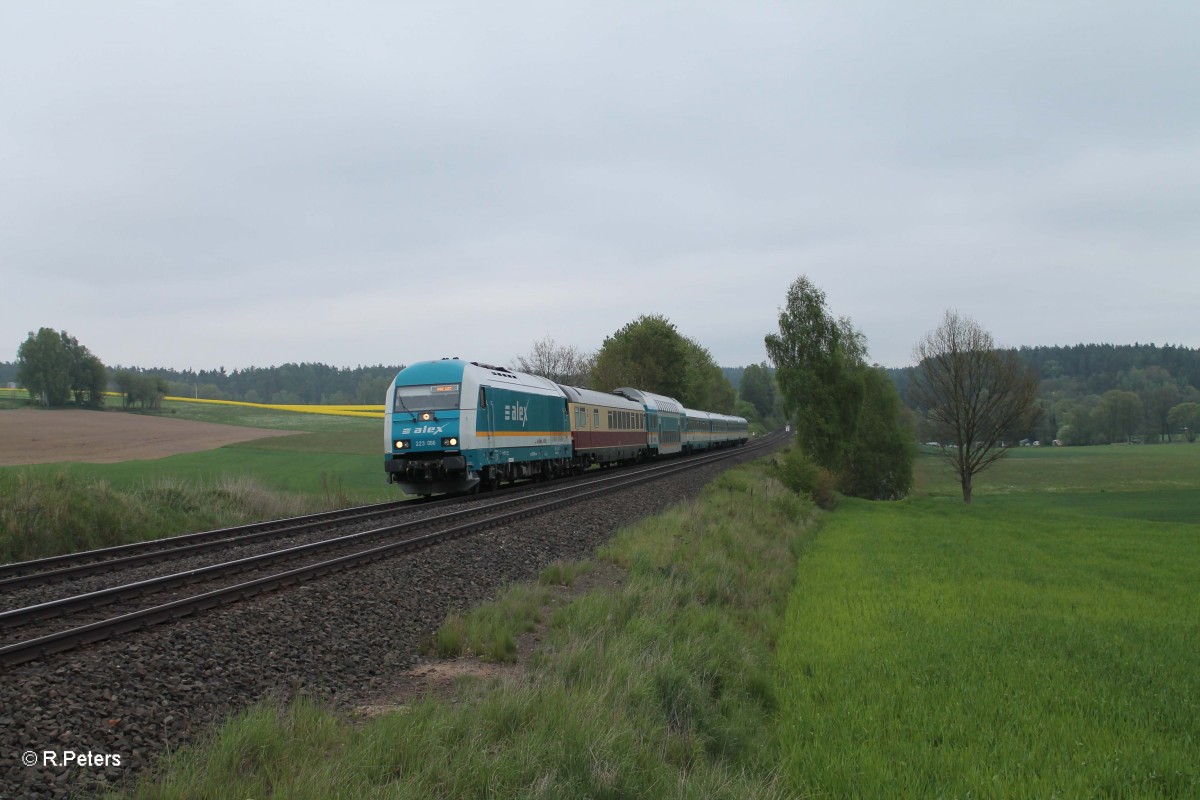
(1042, 642)
(659, 686)
(327, 462)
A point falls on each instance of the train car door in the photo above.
(487, 419)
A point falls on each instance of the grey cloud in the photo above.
(258, 163)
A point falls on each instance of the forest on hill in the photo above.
(1102, 393)
(288, 384)
(1089, 393)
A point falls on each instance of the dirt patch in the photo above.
(34, 436)
(440, 678)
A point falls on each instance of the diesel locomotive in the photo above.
(455, 426)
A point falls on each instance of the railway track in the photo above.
(106, 561)
(76, 565)
(41, 629)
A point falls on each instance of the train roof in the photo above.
(650, 400)
(578, 394)
(711, 415)
(452, 370)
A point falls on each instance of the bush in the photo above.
(800, 473)
(48, 514)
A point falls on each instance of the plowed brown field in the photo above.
(33, 436)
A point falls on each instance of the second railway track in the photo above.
(43, 628)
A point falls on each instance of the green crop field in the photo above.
(657, 685)
(305, 463)
(1042, 642)
(329, 462)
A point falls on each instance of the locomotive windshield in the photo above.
(435, 397)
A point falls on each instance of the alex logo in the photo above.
(422, 429)
(517, 413)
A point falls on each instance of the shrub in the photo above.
(800, 473)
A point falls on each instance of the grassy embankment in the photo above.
(1039, 643)
(330, 462)
(661, 687)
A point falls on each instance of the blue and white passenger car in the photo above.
(664, 420)
(704, 430)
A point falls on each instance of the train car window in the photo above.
(426, 397)
(483, 397)
(596, 416)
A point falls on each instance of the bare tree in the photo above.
(977, 396)
(565, 364)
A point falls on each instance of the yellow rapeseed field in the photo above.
(370, 412)
(364, 411)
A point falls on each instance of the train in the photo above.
(454, 426)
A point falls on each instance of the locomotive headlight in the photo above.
(403, 444)
(450, 442)
(426, 416)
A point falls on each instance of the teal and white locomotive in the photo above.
(456, 426)
(453, 426)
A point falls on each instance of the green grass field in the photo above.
(303, 463)
(1039, 643)
(329, 462)
(1042, 642)
(250, 416)
(660, 687)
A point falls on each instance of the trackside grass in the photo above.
(490, 631)
(330, 462)
(661, 687)
(1040, 643)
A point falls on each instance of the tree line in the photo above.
(286, 384)
(1091, 394)
(1086, 394)
(57, 370)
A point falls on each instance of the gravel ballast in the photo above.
(341, 638)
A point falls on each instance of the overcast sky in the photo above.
(245, 184)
